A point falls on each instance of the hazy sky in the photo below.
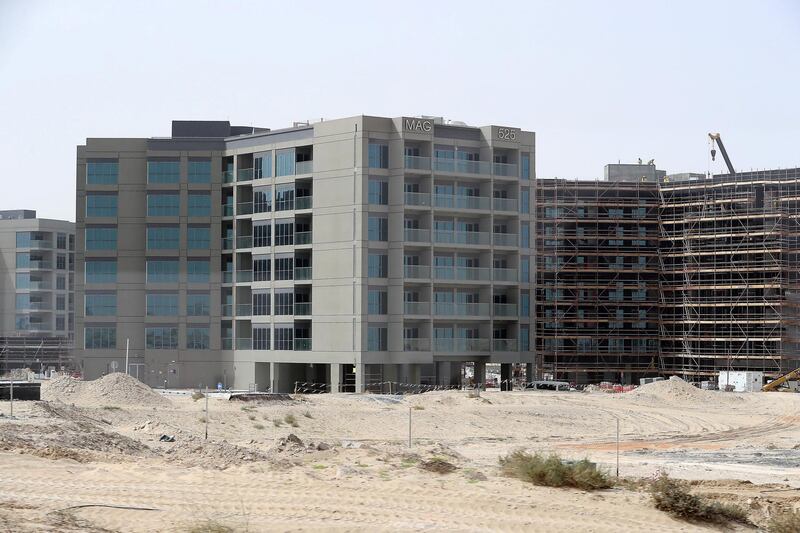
(599, 81)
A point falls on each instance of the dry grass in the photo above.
(673, 497)
(438, 465)
(258, 426)
(785, 522)
(277, 422)
(291, 420)
(552, 471)
(251, 417)
(209, 526)
(418, 407)
(197, 395)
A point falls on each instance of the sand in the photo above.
(345, 464)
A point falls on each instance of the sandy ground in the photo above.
(92, 461)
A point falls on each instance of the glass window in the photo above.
(525, 304)
(261, 337)
(525, 201)
(100, 304)
(71, 242)
(23, 239)
(284, 197)
(197, 338)
(97, 337)
(61, 283)
(524, 339)
(526, 166)
(377, 337)
(102, 172)
(98, 205)
(163, 205)
(22, 322)
(61, 241)
(199, 171)
(162, 304)
(284, 268)
(284, 232)
(377, 301)
(378, 228)
(261, 269)
(524, 269)
(261, 302)
(284, 302)
(61, 303)
(101, 238)
(162, 270)
(23, 260)
(61, 262)
(23, 280)
(198, 270)
(262, 234)
(161, 338)
(163, 171)
(284, 162)
(23, 301)
(262, 200)
(378, 155)
(262, 166)
(378, 192)
(198, 304)
(100, 271)
(377, 265)
(284, 337)
(198, 237)
(60, 323)
(199, 205)
(163, 238)
(524, 235)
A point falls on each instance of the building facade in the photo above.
(37, 263)
(346, 253)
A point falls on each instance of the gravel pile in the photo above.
(112, 389)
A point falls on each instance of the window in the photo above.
(262, 234)
(163, 171)
(72, 242)
(22, 322)
(97, 337)
(23, 301)
(377, 337)
(284, 337)
(99, 271)
(23, 280)
(161, 338)
(526, 166)
(261, 302)
(162, 304)
(198, 304)
(378, 155)
(284, 162)
(197, 270)
(72, 262)
(102, 172)
(284, 232)
(261, 338)
(60, 323)
(197, 338)
(525, 201)
(377, 266)
(261, 269)
(524, 269)
(262, 166)
(378, 228)
(61, 241)
(61, 262)
(198, 237)
(525, 235)
(284, 197)
(162, 271)
(524, 339)
(100, 304)
(23, 239)
(98, 205)
(101, 238)
(163, 205)
(163, 238)
(284, 268)
(377, 301)
(199, 205)
(199, 171)
(525, 305)
(61, 283)
(262, 200)
(378, 192)
(23, 260)
(284, 302)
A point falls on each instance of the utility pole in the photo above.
(127, 346)
(11, 393)
(206, 437)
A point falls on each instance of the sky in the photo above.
(599, 82)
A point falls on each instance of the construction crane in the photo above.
(715, 138)
(776, 383)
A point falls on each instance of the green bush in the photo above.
(552, 471)
(785, 522)
(673, 497)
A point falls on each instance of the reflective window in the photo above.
(284, 232)
(161, 338)
(162, 271)
(284, 268)
(377, 337)
(100, 304)
(162, 304)
(199, 205)
(100, 271)
(199, 171)
(198, 237)
(378, 155)
(197, 338)
(96, 337)
(262, 200)
(261, 337)
(261, 269)
(526, 166)
(261, 303)
(198, 304)
(284, 197)
(101, 238)
(198, 270)
(163, 171)
(377, 301)
(262, 234)
(98, 205)
(378, 193)
(262, 166)
(163, 238)
(378, 228)
(377, 265)
(284, 302)
(284, 162)
(102, 172)
(163, 205)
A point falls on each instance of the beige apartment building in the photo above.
(342, 254)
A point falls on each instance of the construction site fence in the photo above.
(399, 388)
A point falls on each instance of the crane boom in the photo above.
(776, 383)
(715, 138)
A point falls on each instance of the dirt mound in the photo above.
(112, 389)
(672, 390)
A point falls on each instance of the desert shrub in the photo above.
(289, 419)
(552, 471)
(258, 426)
(251, 417)
(438, 465)
(112, 408)
(418, 407)
(784, 522)
(673, 497)
(277, 422)
(209, 526)
(197, 395)
(202, 419)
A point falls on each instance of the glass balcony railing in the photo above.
(505, 169)
(38, 244)
(227, 309)
(302, 202)
(227, 176)
(40, 306)
(505, 204)
(462, 166)
(505, 310)
(244, 241)
(302, 273)
(414, 162)
(227, 210)
(243, 276)
(227, 277)
(303, 167)
(302, 345)
(416, 345)
(417, 308)
(227, 343)
(302, 237)
(418, 198)
(417, 235)
(462, 273)
(461, 237)
(417, 271)
(504, 274)
(227, 243)
(448, 201)
(39, 285)
(302, 309)
(244, 309)
(244, 208)
(40, 265)
(505, 239)
(505, 345)
(244, 344)
(455, 309)
(244, 174)
(461, 345)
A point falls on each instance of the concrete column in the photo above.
(336, 377)
(480, 374)
(529, 372)
(359, 377)
(506, 374)
(273, 375)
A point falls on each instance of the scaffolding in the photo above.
(35, 352)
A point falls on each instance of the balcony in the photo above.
(38, 244)
(505, 239)
(244, 208)
(40, 265)
(244, 241)
(244, 276)
(227, 277)
(505, 169)
(416, 345)
(227, 343)
(505, 345)
(302, 309)
(422, 199)
(505, 310)
(454, 309)
(461, 166)
(39, 285)
(227, 309)
(447, 201)
(461, 237)
(415, 162)
(244, 310)
(417, 235)
(244, 174)
(227, 176)
(417, 308)
(462, 273)
(461, 345)
(505, 204)
(417, 271)
(302, 273)
(302, 344)
(40, 306)
(303, 202)
(227, 210)
(244, 344)
(304, 167)
(302, 237)
(227, 243)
